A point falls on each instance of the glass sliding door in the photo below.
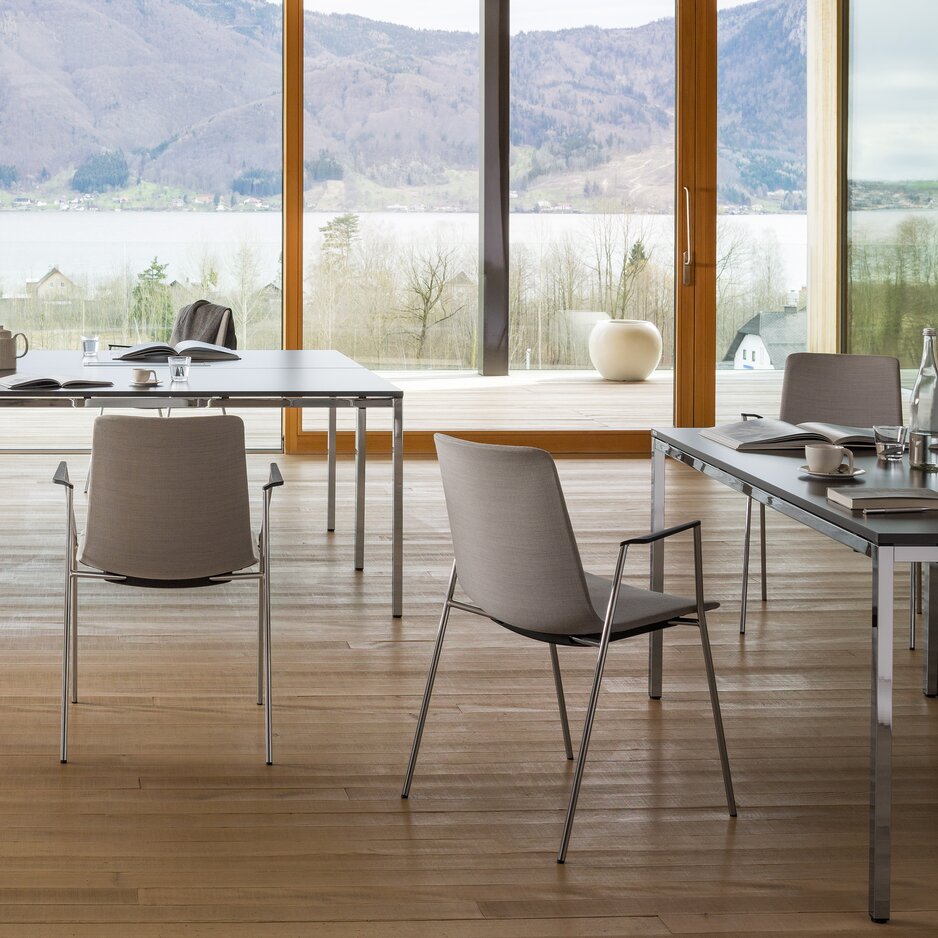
(762, 233)
(391, 192)
(892, 270)
(592, 176)
(140, 164)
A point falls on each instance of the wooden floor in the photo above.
(167, 823)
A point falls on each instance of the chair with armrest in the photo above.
(849, 390)
(169, 508)
(194, 321)
(517, 559)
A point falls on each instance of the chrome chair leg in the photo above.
(268, 702)
(428, 689)
(711, 677)
(591, 707)
(260, 642)
(717, 716)
(74, 637)
(66, 641)
(745, 592)
(762, 556)
(561, 703)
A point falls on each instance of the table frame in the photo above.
(389, 397)
(884, 558)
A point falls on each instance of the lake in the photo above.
(87, 246)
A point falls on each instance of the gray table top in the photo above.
(273, 373)
(779, 474)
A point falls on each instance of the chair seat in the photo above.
(637, 611)
(637, 608)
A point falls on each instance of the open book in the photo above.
(766, 434)
(865, 499)
(160, 351)
(49, 383)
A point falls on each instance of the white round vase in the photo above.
(625, 349)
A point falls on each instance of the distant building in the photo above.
(766, 340)
(53, 287)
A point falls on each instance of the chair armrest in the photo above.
(658, 535)
(754, 416)
(61, 475)
(275, 479)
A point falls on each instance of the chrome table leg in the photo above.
(656, 639)
(930, 631)
(397, 509)
(747, 540)
(762, 558)
(881, 672)
(330, 485)
(360, 456)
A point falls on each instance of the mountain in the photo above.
(189, 92)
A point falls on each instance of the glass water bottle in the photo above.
(923, 428)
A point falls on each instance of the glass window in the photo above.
(761, 202)
(139, 170)
(892, 276)
(392, 190)
(592, 224)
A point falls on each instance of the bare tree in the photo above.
(426, 301)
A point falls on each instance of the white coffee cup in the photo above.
(144, 376)
(827, 457)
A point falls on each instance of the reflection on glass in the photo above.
(892, 289)
(391, 186)
(139, 174)
(591, 201)
(761, 201)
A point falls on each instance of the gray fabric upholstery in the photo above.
(639, 607)
(169, 498)
(851, 390)
(516, 554)
(205, 322)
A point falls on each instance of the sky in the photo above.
(525, 14)
(893, 90)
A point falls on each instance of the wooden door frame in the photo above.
(695, 303)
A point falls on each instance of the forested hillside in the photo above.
(187, 94)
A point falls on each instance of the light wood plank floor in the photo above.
(167, 823)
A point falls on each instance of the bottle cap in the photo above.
(929, 330)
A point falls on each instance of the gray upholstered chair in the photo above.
(169, 507)
(850, 390)
(517, 560)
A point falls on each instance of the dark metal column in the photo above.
(493, 188)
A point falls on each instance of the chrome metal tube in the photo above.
(428, 688)
(561, 703)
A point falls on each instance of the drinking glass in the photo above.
(179, 367)
(89, 346)
(890, 442)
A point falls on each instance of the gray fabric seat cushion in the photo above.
(638, 607)
(637, 611)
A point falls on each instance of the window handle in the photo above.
(687, 258)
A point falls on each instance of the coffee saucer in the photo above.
(145, 384)
(842, 473)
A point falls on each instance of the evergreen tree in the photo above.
(151, 306)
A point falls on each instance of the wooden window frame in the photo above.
(695, 303)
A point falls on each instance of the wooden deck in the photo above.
(436, 400)
(167, 823)
(537, 400)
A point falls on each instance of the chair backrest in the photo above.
(205, 322)
(516, 555)
(168, 498)
(851, 390)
